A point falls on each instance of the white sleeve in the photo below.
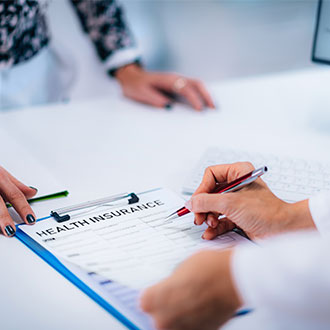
(320, 209)
(288, 274)
(123, 57)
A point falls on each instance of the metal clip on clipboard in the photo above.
(62, 214)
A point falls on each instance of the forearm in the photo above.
(312, 214)
(294, 217)
(104, 22)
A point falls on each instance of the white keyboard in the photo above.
(290, 179)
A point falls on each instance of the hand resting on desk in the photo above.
(153, 88)
(16, 193)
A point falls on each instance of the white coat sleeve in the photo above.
(290, 272)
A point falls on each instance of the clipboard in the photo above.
(64, 271)
(62, 215)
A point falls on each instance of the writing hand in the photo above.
(254, 208)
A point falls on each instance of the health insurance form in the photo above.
(120, 251)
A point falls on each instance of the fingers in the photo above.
(161, 302)
(147, 88)
(6, 223)
(215, 203)
(224, 226)
(221, 174)
(152, 96)
(192, 96)
(28, 192)
(146, 302)
(211, 177)
(151, 302)
(212, 220)
(214, 176)
(192, 90)
(200, 218)
(10, 193)
(200, 88)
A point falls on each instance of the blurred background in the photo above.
(209, 39)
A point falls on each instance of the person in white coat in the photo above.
(287, 274)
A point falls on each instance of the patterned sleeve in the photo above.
(103, 21)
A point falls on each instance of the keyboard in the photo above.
(290, 179)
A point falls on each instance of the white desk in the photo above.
(113, 145)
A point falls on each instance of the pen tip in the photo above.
(171, 216)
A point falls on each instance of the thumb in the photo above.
(203, 203)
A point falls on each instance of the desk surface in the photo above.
(111, 145)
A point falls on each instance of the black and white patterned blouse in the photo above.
(24, 31)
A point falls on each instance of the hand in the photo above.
(254, 208)
(200, 294)
(16, 193)
(148, 88)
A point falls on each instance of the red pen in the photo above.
(229, 187)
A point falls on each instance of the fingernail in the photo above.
(211, 224)
(30, 218)
(33, 188)
(10, 231)
(168, 106)
(188, 205)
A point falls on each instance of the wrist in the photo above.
(127, 72)
(295, 216)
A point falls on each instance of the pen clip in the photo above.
(62, 214)
(241, 185)
(254, 176)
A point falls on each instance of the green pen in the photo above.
(45, 198)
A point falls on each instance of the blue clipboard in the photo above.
(64, 271)
(69, 275)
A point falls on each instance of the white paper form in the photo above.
(124, 299)
(131, 245)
